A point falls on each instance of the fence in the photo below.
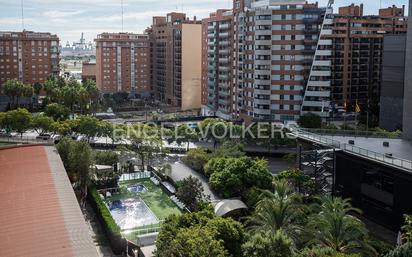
(135, 176)
(353, 133)
(25, 140)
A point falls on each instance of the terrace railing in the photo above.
(353, 133)
(26, 140)
(379, 157)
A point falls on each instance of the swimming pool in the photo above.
(131, 213)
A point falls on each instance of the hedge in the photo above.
(111, 228)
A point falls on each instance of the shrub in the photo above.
(401, 251)
(113, 232)
(196, 159)
(110, 225)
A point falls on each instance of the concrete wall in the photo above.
(391, 108)
(407, 113)
(191, 66)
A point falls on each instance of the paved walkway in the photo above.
(96, 231)
(180, 171)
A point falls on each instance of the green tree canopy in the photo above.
(232, 176)
(229, 149)
(226, 235)
(57, 111)
(18, 120)
(89, 127)
(310, 120)
(196, 159)
(190, 192)
(187, 135)
(268, 245)
(333, 227)
(277, 210)
(42, 124)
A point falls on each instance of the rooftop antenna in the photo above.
(122, 16)
(22, 14)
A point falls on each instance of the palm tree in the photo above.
(277, 210)
(334, 228)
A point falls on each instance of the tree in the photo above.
(146, 141)
(196, 159)
(333, 227)
(300, 182)
(323, 252)
(28, 92)
(230, 232)
(310, 120)
(2, 120)
(227, 232)
(50, 86)
(407, 229)
(10, 89)
(42, 124)
(404, 250)
(229, 149)
(57, 111)
(233, 176)
(37, 87)
(89, 127)
(80, 161)
(278, 210)
(185, 134)
(63, 128)
(190, 192)
(269, 245)
(194, 242)
(18, 120)
(106, 157)
(113, 131)
(64, 147)
(214, 129)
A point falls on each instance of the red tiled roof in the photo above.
(32, 221)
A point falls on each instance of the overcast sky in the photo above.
(68, 18)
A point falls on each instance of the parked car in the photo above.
(4, 133)
(43, 137)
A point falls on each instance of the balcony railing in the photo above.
(379, 157)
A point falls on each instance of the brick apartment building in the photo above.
(217, 69)
(88, 71)
(28, 56)
(357, 54)
(123, 63)
(176, 50)
(275, 44)
(289, 58)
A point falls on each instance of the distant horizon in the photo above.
(68, 19)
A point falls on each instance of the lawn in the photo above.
(157, 200)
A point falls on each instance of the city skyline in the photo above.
(105, 15)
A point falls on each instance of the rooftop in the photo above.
(398, 153)
(40, 214)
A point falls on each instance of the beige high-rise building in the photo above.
(176, 51)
